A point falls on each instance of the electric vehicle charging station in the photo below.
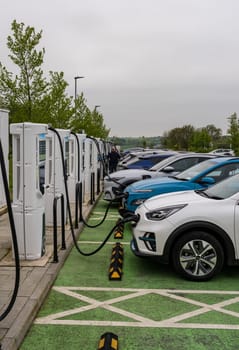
(95, 165)
(76, 164)
(88, 161)
(100, 163)
(82, 139)
(54, 177)
(4, 136)
(28, 151)
(73, 167)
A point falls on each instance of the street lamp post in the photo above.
(96, 106)
(76, 78)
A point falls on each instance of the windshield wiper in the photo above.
(216, 197)
(202, 193)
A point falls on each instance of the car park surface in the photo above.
(169, 166)
(150, 308)
(196, 231)
(199, 176)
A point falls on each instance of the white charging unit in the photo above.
(76, 164)
(54, 176)
(88, 169)
(28, 140)
(4, 137)
(82, 139)
(73, 167)
(95, 162)
(101, 159)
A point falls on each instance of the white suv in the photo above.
(196, 231)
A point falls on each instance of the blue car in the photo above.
(148, 160)
(198, 177)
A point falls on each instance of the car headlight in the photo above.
(162, 213)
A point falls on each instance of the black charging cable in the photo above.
(78, 176)
(14, 237)
(120, 222)
(104, 167)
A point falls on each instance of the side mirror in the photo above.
(208, 180)
(168, 169)
(144, 177)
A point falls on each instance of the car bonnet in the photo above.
(175, 198)
(151, 183)
(128, 173)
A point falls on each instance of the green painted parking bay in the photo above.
(150, 307)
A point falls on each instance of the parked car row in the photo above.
(171, 165)
(189, 218)
(199, 176)
(143, 160)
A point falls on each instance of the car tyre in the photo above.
(197, 256)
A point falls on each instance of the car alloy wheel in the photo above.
(198, 256)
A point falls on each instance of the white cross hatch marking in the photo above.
(142, 321)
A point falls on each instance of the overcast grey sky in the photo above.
(152, 65)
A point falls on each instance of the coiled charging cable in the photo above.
(120, 222)
(14, 237)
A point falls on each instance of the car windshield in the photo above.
(195, 170)
(223, 189)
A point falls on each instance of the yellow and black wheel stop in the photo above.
(108, 341)
(119, 230)
(117, 249)
(116, 263)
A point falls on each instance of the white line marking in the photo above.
(142, 321)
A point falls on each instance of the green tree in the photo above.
(215, 135)
(91, 122)
(144, 142)
(233, 131)
(30, 97)
(179, 138)
(56, 106)
(98, 128)
(78, 120)
(22, 93)
(201, 141)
